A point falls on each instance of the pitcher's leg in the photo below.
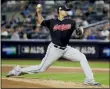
(32, 69)
(51, 55)
(74, 55)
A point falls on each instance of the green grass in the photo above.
(56, 63)
(103, 78)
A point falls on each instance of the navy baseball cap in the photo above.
(65, 8)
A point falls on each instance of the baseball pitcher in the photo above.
(60, 30)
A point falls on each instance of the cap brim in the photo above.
(67, 9)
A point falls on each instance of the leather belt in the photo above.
(59, 47)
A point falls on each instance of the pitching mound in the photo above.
(39, 83)
(20, 83)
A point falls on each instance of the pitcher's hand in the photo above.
(39, 8)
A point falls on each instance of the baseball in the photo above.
(39, 6)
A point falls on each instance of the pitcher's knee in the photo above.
(83, 57)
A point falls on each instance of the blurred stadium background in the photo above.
(19, 27)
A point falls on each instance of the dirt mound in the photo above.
(12, 83)
(39, 83)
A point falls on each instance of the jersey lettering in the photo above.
(62, 27)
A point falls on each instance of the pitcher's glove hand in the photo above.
(79, 31)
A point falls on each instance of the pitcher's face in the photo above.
(63, 13)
